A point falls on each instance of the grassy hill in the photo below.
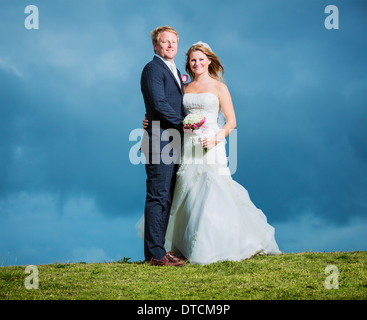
(286, 276)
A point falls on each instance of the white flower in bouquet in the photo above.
(193, 121)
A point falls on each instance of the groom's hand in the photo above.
(145, 122)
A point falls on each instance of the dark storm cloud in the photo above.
(66, 117)
(48, 148)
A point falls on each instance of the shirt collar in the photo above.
(165, 61)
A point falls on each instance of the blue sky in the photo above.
(70, 96)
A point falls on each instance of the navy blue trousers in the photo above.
(160, 184)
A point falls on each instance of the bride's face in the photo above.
(199, 62)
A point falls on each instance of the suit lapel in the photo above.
(158, 60)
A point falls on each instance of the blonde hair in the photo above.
(155, 33)
(215, 68)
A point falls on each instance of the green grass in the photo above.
(286, 276)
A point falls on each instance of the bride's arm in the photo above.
(228, 111)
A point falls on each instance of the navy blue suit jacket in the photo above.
(163, 99)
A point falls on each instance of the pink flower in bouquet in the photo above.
(193, 121)
(185, 78)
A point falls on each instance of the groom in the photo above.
(162, 90)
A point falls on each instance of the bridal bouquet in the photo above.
(193, 121)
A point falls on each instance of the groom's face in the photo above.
(166, 47)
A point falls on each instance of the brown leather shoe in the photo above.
(166, 261)
(173, 257)
(178, 256)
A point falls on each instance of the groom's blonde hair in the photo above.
(155, 33)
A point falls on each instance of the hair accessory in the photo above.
(204, 45)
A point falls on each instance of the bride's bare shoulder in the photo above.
(221, 88)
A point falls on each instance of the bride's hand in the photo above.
(145, 122)
(208, 143)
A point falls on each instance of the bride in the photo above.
(212, 217)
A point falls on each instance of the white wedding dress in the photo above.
(212, 217)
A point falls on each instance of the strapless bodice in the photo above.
(205, 103)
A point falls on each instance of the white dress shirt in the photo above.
(172, 67)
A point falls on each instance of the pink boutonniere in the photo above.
(185, 78)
